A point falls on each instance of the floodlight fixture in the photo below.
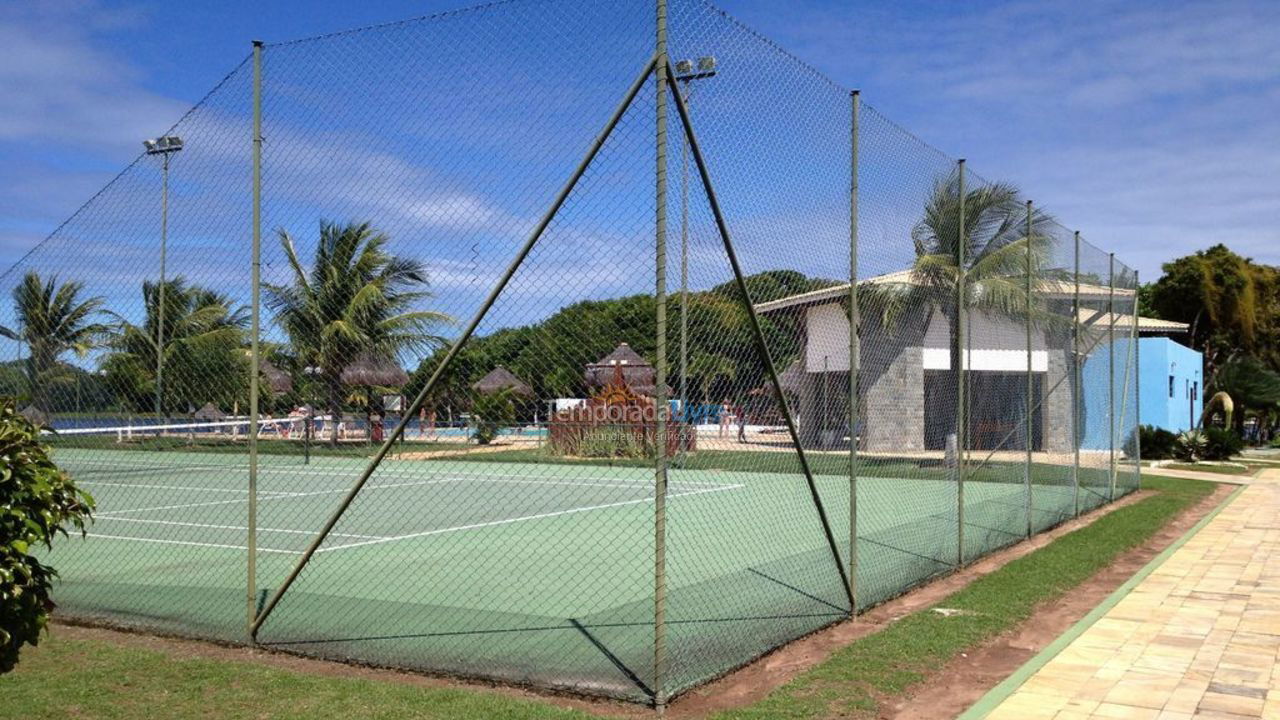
(163, 145)
(705, 68)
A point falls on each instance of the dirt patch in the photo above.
(961, 682)
(945, 694)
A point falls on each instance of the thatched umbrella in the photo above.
(35, 415)
(371, 370)
(210, 412)
(500, 379)
(636, 372)
(277, 379)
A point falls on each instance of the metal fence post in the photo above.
(1137, 385)
(1030, 406)
(660, 366)
(1111, 374)
(160, 299)
(1077, 393)
(854, 348)
(254, 349)
(962, 423)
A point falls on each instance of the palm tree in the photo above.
(203, 333)
(993, 271)
(355, 301)
(53, 320)
(709, 368)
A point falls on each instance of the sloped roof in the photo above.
(499, 379)
(622, 355)
(1050, 287)
(371, 370)
(209, 412)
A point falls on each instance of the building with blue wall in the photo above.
(1172, 384)
(1169, 389)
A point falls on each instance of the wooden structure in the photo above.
(616, 421)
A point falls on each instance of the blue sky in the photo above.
(1153, 127)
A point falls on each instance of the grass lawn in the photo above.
(89, 678)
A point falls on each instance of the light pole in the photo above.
(686, 74)
(163, 146)
(313, 373)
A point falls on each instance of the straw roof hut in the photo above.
(500, 379)
(277, 379)
(35, 415)
(638, 374)
(371, 370)
(210, 412)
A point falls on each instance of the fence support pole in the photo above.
(1030, 406)
(854, 348)
(962, 439)
(458, 344)
(254, 349)
(762, 347)
(660, 367)
(1077, 392)
(160, 300)
(1111, 374)
(1137, 385)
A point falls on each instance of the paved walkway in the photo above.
(1197, 638)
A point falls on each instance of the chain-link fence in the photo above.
(509, 343)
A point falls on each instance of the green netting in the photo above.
(415, 186)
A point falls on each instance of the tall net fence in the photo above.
(554, 357)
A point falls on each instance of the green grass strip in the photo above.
(889, 662)
(1001, 692)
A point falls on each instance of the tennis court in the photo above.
(525, 572)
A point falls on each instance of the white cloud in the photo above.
(60, 86)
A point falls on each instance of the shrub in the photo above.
(1222, 444)
(39, 501)
(492, 411)
(1157, 443)
(1191, 445)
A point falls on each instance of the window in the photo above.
(1170, 386)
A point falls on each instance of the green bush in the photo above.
(1157, 443)
(1222, 444)
(37, 502)
(1191, 445)
(491, 413)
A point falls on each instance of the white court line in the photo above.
(186, 488)
(277, 496)
(185, 542)
(418, 472)
(228, 527)
(522, 518)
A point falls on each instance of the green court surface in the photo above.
(532, 573)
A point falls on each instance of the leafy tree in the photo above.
(40, 502)
(1231, 303)
(492, 412)
(1250, 385)
(54, 320)
(709, 369)
(994, 271)
(201, 346)
(356, 300)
